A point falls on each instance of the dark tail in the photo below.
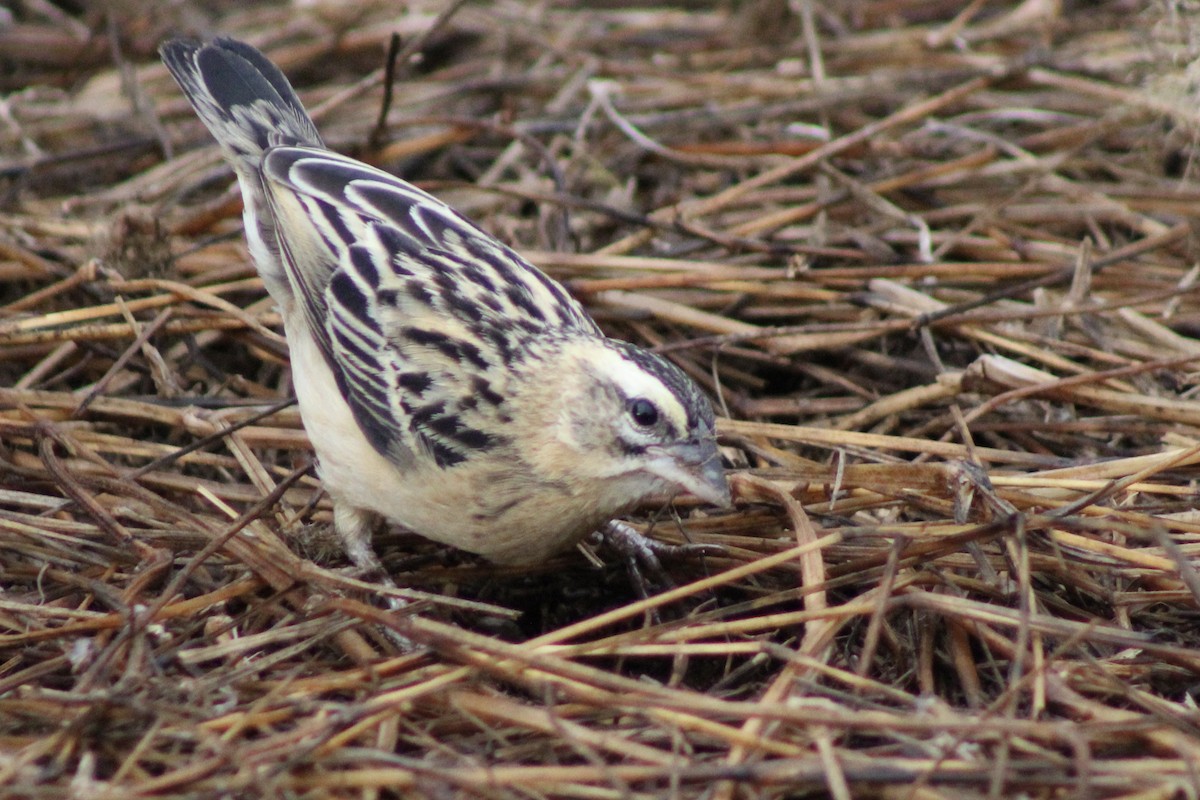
(243, 98)
(248, 106)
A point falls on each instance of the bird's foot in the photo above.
(644, 556)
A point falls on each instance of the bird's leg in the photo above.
(354, 526)
(642, 554)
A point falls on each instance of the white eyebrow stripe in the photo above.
(633, 381)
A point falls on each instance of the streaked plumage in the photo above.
(446, 383)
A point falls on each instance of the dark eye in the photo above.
(643, 412)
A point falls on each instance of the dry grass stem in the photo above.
(935, 262)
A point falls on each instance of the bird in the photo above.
(447, 385)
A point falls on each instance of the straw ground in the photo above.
(935, 263)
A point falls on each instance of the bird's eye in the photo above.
(643, 412)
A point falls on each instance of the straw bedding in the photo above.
(935, 263)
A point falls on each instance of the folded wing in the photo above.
(423, 318)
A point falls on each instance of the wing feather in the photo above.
(423, 318)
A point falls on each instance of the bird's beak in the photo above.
(696, 468)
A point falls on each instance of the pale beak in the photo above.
(695, 467)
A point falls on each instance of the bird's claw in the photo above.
(643, 555)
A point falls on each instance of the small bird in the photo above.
(446, 383)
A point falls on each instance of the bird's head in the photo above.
(628, 422)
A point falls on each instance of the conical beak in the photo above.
(696, 468)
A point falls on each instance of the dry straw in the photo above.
(934, 261)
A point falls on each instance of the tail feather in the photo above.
(243, 99)
(248, 106)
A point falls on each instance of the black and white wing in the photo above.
(422, 316)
